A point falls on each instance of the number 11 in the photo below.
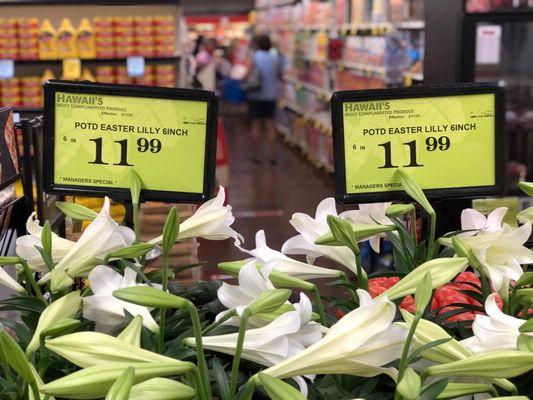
(387, 146)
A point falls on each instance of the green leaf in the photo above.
(135, 187)
(122, 386)
(279, 390)
(269, 301)
(221, 378)
(409, 386)
(47, 258)
(342, 233)
(431, 392)
(527, 327)
(76, 211)
(423, 294)
(46, 238)
(16, 358)
(413, 189)
(525, 280)
(170, 231)
(150, 297)
(527, 188)
(525, 343)
(62, 327)
(133, 251)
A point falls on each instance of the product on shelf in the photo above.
(85, 40)
(66, 40)
(361, 11)
(28, 38)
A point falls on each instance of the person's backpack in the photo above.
(253, 82)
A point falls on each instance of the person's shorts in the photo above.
(261, 109)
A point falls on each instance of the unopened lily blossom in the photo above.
(370, 214)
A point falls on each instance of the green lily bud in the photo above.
(423, 294)
(360, 232)
(463, 250)
(342, 233)
(133, 251)
(525, 216)
(95, 382)
(59, 280)
(269, 301)
(161, 389)
(61, 328)
(410, 385)
(278, 279)
(441, 270)
(271, 316)
(397, 210)
(87, 349)
(76, 211)
(64, 308)
(527, 327)
(525, 280)
(122, 386)
(15, 357)
(10, 260)
(495, 364)
(279, 390)
(525, 294)
(150, 297)
(413, 189)
(454, 390)
(171, 231)
(132, 333)
(527, 188)
(525, 342)
(135, 187)
(46, 238)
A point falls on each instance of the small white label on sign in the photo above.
(135, 66)
(7, 69)
(488, 44)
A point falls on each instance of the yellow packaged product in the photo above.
(66, 40)
(85, 40)
(47, 41)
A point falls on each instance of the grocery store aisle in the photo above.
(264, 196)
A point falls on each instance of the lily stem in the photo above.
(162, 312)
(361, 274)
(351, 292)
(202, 364)
(432, 230)
(405, 352)
(5, 367)
(238, 353)
(136, 225)
(413, 225)
(30, 279)
(43, 362)
(197, 383)
(319, 305)
(216, 324)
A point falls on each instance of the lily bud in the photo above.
(423, 294)
(463, 250)
(413, 189)
(441, 271)
(410, 385)
(61, 328)
(527, 188)
(87, 349)
(135, 186)
(161, 389)
(64, 308)
(150, 297)
(7, 280)
(279, 390)
(525, 216)
(360, 231)
(132, 333)
(59, 280)
(342, 233)
(397, 210)
(271, 316)
(76, 211)
(133, 251)
(122, 386)
(453, 390)
(15, 357)
(95, 382)
(495, 364)
(269, 301)
(525, 342)
(171, 230)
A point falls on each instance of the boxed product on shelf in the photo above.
(28, 38)
(105, 74)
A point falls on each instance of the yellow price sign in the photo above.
(96, 134)
(445, 137)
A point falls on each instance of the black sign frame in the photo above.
(53, 86)
(341, 97)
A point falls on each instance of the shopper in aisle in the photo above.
(265, 69)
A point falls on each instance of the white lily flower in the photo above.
(25, 245)
(106, 310)
(311, 229)
(7, 280)
(359, 344)
(501, 253)
(494, 331)
(370, 214)
(285, 264)
(102, 236)
(212, 221)
(472, 220)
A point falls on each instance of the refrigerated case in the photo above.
(498, 47)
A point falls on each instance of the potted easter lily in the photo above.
(451, 318)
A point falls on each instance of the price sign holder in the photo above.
(375, 132)
(167, 135)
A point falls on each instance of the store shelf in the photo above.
(368, 69)
(95, 60)
(325, 94)
(323, 126)
(87, 2)
(411, 25)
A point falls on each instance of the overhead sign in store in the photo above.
(449, 138)
(96, 133)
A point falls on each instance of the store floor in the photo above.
(263, 196)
